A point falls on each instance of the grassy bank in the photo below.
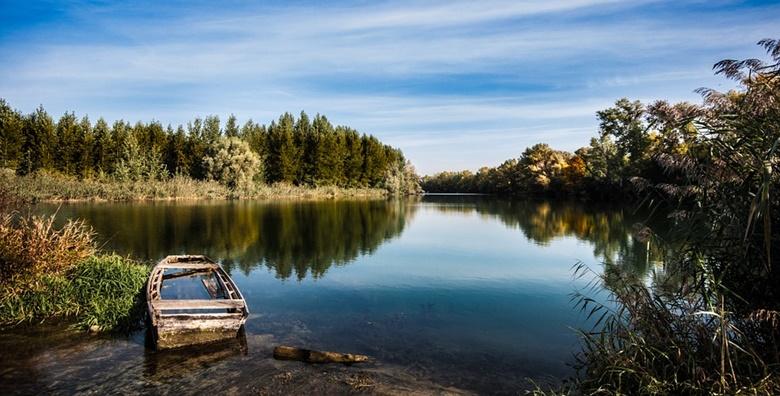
(49, 273)
(46, 186)
(101, 293)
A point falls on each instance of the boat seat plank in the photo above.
(189, 266)
(196, 316)
(197, 304)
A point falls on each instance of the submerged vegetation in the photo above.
(49, 272)
(244, 160)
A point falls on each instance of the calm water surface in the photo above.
(466, 292)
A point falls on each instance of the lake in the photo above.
(445, 292)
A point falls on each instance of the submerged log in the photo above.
(283, 352)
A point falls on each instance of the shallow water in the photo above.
(445, 292)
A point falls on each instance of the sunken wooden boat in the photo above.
(192, 300)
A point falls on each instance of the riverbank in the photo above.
(51, 187)
(99, 294)
(57, 273)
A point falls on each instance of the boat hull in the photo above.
(185, 330)
(181, 322)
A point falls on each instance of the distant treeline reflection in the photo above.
(615, 232)
(290, 238)
(306, 238)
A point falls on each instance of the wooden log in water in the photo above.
(283, 352)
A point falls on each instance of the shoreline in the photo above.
(47, 187)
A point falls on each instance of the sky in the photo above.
(454, 84)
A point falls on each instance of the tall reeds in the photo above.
(31, 246)
(48, 186)
(649, 341)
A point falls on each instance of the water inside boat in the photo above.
(188, 284)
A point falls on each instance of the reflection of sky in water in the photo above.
(450, 248)
(455, 292)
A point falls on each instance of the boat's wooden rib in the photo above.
(174, 329)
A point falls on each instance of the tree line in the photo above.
(301, 151)
(631, 137)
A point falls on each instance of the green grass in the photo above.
(101, 293)
(47, 186)
(49, 273)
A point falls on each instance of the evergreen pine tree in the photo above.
(307, 141)
(353, 157)
(273, 166)
(66, 139)
(196, 149)
(289, 150)
(101, 147)
(329, 153)
(176, 159)
(38, 132)
(231, 127)
(211, 131)
(11, 138)
(82, 159)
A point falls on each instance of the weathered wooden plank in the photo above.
(170, 324)
(203, 265)
(178, 337)
(186, 257)
(198, 304)
(205, 316)
(283, 352)
(224, 283)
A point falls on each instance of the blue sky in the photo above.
(454, 84)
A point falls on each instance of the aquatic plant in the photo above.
(108, 291)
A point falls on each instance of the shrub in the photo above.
(233, 163)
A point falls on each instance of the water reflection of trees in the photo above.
(612, 231)
(290, 238)
(307, 238)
